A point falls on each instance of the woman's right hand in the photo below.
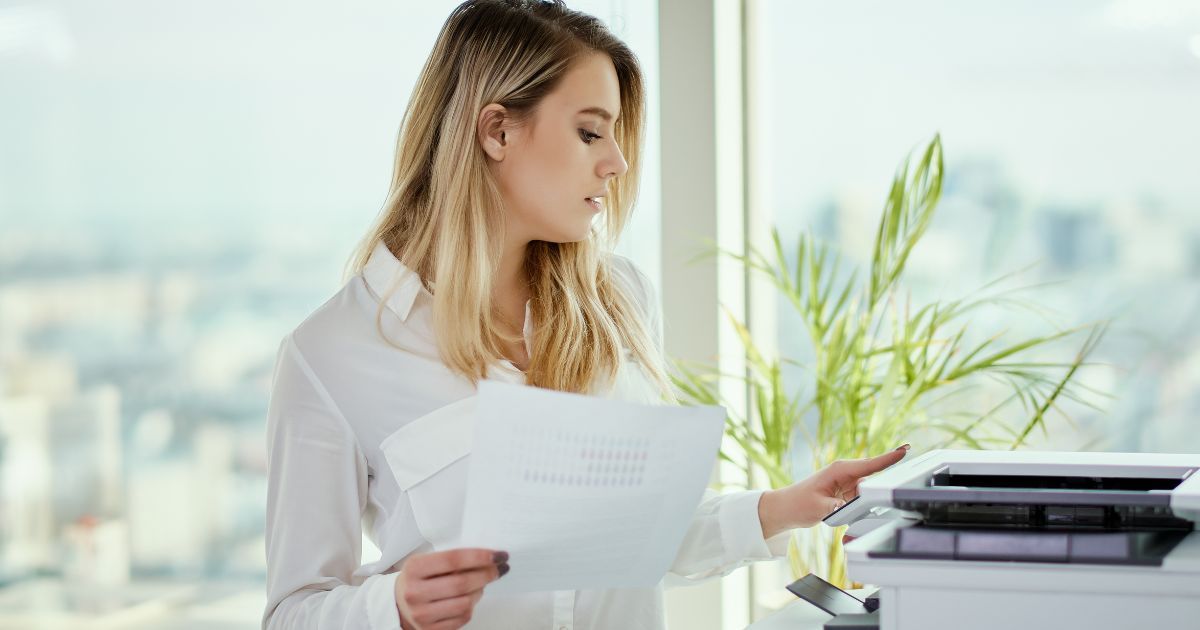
(439, 590)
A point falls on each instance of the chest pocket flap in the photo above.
(421, 448)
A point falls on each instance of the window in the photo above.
(1070, 144)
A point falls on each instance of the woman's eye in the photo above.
(587, 136)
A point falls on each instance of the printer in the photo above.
(999, 540)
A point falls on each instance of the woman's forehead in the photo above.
(589, 87)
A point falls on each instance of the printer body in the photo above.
(989, 540)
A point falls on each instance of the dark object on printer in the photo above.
(872, 602)
(826, 596)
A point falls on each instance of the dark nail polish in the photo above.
(500, 557)
(503, 569)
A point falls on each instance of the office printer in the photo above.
(1029, 540)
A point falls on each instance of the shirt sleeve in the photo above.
(316, 493)
(725, 534)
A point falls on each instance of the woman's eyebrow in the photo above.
(598, 111)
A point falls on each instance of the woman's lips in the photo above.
(593, 203)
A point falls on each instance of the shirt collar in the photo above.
(384, 272)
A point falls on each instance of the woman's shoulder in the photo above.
(353, 348)
(345, 329)
(638, 287)
(331, 317)
(636, 281)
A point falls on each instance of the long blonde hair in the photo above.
(444, 215)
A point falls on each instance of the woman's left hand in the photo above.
(805, 503)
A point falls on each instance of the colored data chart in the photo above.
(577, 460)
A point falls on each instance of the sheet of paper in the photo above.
(584, 492)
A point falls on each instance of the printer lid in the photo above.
(1146, 483)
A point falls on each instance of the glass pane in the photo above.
(1070, 142)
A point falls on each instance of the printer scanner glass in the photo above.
(1053, 482)
(960, 484)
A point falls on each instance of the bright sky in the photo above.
(1081, 101)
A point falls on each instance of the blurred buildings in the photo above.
(180, 185)
(179, 188)
(1070, 153)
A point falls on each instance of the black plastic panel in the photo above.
(1140, 548)
(1046, 516)
(1054, 482)
(826, 596)
(1029, 496)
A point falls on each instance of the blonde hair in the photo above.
(444, 216)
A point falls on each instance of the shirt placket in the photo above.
(564, 610)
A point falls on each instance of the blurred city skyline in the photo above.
(1071, 151)
(180, 186)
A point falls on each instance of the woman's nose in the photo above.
(614, 165)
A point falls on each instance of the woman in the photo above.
(487, 263)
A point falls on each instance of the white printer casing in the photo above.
(1032, 540)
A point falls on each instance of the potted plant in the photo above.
(883, 371)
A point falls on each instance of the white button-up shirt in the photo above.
(362, 434)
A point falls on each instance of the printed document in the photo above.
(584, 492)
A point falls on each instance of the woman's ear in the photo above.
(491, 131)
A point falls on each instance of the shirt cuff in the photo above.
(382, 613)
(741, 529)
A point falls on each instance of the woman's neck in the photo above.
(510, 291)
(511, 280)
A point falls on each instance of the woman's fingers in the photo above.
(453, 585)
(439, 590)
(454, 607)
(858, 468)
(452, 561)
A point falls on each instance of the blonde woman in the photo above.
(516, 169)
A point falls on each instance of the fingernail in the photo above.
(903, 447)
(500, 557)
(503, 569)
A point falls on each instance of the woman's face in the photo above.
(551, 169)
